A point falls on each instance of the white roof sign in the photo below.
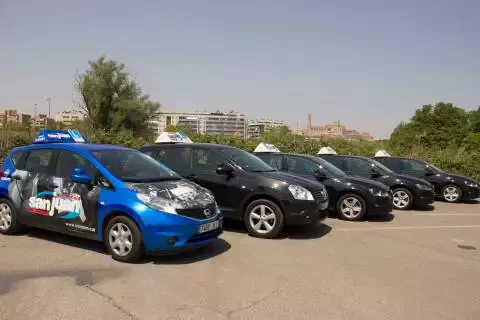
(327, 150)
(170, 137)
(382, 153)
(266, 147)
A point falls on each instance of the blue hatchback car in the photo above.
(107, 193)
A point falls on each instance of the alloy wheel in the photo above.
(120, 239)
(451, 194)
(262, 218)
(5, 216)
(401, 199)
(351, 207)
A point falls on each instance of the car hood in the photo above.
(413, 179)
(365, 182)
(289, 178)
(460, 178)
(178, 193)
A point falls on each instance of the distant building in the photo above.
(68, 117)
(333, 130)
(40, 121)
(13, 116)
(227, 123)
(257, 127)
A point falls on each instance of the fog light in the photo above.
(172, 240)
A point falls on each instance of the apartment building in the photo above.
(256, 127)
(13, 116)
(226, 123)
(68, 117)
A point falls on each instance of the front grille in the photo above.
(198, 213)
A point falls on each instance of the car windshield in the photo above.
(330, 168)
(247, 161)
(381, 166)
(134, 166)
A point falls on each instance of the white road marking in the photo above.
(447, 214)
(407, 228)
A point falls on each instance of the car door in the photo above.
(76, 205)
(301, 166)
(226, 188)
(35, 185)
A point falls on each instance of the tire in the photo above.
(264, 219)
(402, 199)
(8, 217)
(452, 193)
(131, 235)
(347, 207)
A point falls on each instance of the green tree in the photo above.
(112, 101)
(433, 126)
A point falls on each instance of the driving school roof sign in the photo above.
(327, 150)
(63, 136)
(173, 137)
(266, 147)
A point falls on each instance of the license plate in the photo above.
(209, 226)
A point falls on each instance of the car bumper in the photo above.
(298, 213)
(380, 206)
(423, 198)
(470, 193)
(177, 236)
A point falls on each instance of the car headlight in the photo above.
(378, 192)
(423, 186)
(158, 203)
(300, 193)
(471, 184)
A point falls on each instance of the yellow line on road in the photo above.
(407, 228)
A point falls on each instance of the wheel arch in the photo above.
(259, 196)
(115, 213)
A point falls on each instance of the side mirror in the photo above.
(225, 169)
(320, 175)
(79, 176)
(376, 172)
(429, 172)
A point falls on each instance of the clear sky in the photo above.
(367, 63)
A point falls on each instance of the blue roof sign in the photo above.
(64, 136)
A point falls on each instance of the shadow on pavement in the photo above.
(311, 232)
(430, 207)
(474, 201)
(215, 248)
(83, 277)
(381, 218)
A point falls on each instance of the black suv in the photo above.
(245, 187)
(449, 187)
(407, 190)
(351, 198)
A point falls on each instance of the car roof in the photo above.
(344, 156)
(204, 145)
(72, 146)
(287, 154)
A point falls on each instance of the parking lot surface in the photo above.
(410, 265)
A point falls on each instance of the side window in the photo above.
(275, 161)
(359, 165)
(414, 166)
(394, 164)
(338, 162)
(301, 166)
(206, 160)
(67, 161)
(177, 159)
(39, 160)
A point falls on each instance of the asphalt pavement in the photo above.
(409, 265)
